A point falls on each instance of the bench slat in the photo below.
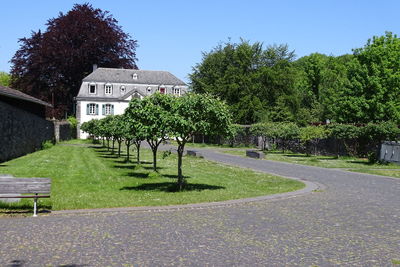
(25, 186)
(38, 196)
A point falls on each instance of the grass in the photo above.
(88, 176)
(349, 163)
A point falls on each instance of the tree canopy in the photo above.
(269, 85)
(55, 61)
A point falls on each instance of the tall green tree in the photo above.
(54, 62)
(134, 130)
(373, 91)
(252, 80)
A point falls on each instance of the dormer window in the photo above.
(134, 76)
(92, 88)
(108, 89)
(123, 89)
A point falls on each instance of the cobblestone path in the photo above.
(354, 220)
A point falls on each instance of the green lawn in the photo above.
(350, 163)
(88, 176)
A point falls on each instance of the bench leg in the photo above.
(35, 207)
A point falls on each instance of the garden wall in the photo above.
(21, 132)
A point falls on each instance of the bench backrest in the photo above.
(25, 185)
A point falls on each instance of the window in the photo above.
(108, 109)
(149, 89)
(92, 88)
(123, 89)
(92, 109)
(108, 89)
(134, 76)
(177, 91)
(162, 90)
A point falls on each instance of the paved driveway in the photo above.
(353, 221)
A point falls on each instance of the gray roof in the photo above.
(126, 76)
(9, 92)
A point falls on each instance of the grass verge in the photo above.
(89, 176)
(349, 163)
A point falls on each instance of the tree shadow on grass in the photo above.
(171, 187)
(174, 176)
(129, 167)
(141, 175)
(297, 156)
(151, 167)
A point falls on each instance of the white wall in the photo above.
(119, 108)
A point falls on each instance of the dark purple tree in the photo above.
(53, 63)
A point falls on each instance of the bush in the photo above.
(47, 144)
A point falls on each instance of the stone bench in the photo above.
(18, 188)
(194, 153)
(255, 154)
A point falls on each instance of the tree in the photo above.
(249, 78)
(201, 114)
(53, 63)
(5, 78)
(154, 115)
(134, 130)
(286, 132)
(373, 91)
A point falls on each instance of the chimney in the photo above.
(94, 67)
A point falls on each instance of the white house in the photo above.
(107, 91)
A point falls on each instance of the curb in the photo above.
(309, 188)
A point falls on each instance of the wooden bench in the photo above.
(19, 187)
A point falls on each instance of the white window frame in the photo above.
(177, 91)
(92, 109)
(135, 76)
(149, 89)
(123, 89)
(95, 88)
(108, 89)
(107, 109)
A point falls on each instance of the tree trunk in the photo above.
(104, 144)
(108, 144)
(181, 180)
(119, 148)
(137, 144)
(154, 149)
(128, 144)
(113, 146)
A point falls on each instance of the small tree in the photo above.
(202, 114)
(134, 130)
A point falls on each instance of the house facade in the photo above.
(107, 91)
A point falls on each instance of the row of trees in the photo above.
(371, 134)
(269, 84)
(158, 117)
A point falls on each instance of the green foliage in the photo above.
(47, 144)
(72, 121)
(198, 114)
(344, 131)
(311, 133)
(5, 79)
(380, 132)
(373, 91)
(249, 78)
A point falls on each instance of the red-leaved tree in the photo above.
(51, 64)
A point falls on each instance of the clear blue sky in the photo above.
(172, 34)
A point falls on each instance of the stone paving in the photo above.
(354, 220)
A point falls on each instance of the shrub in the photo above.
(47, 144)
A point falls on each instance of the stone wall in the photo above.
(21, 132)
(62, 131)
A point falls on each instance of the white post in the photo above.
(35, 207)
